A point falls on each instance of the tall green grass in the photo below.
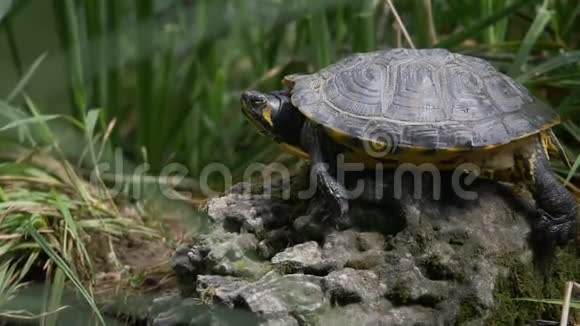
(49, 215)
(169, 73)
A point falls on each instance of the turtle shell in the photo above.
(428, 98)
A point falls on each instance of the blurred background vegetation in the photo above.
(159, 82)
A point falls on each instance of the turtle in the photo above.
(416, 106)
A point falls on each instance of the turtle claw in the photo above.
(341, 205)
(558, 230)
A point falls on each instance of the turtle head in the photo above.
(274, 115)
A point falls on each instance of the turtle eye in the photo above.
(257, 101)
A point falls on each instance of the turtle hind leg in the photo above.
(556, 206)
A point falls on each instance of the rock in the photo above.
(186, 311)
(276, 297)
(402, 261)
(414, 315)
(372, 314)
(190, 311)
(410, 286)
(187, 263)
(309, 227)
(302, 257)
(223, 288)
(274, 241)
(340, 246)
(349, 285)
(233, 254)
(359, 250)
(241, 211)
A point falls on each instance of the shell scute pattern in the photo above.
(389, 134)
(489, 132)
(417, 96)
(466, 93)
(477, 64)
(422, 98)
(423, 136)
(505, 95)
(343, 64)
(357, 91)
(455, 133)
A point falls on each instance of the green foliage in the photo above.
(48, 213)
(169, 73)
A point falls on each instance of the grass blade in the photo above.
(400, 23)
(145, 76)
(63, 265)
(31, 120)
(568, 108)
(12, 46)
(573, 170)
(495, 33)
(113, 106)
(320, 33)
(479, 26)
(72, 227)
(70, 34)
(5, 7)
(573, 304)
(9, 281)
(543, 16)
(44, 130)
(424, 28)
(95, 26)
(11, 7)
(91, 122)
(571, 19)
(54, 299)
(563, 59)
(26, 78)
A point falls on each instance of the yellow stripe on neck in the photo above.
(267, 115)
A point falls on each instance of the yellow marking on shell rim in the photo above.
(338, 136)
(267, 115)
(490, 157)
(378, 146)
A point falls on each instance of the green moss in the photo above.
(250, 269)
(527, 280)
(310, 318)
(467, 311)
(400, 294)
(283, 268)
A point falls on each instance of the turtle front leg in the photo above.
(557, 206)
(313, 139)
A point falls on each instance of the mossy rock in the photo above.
(534, 280)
